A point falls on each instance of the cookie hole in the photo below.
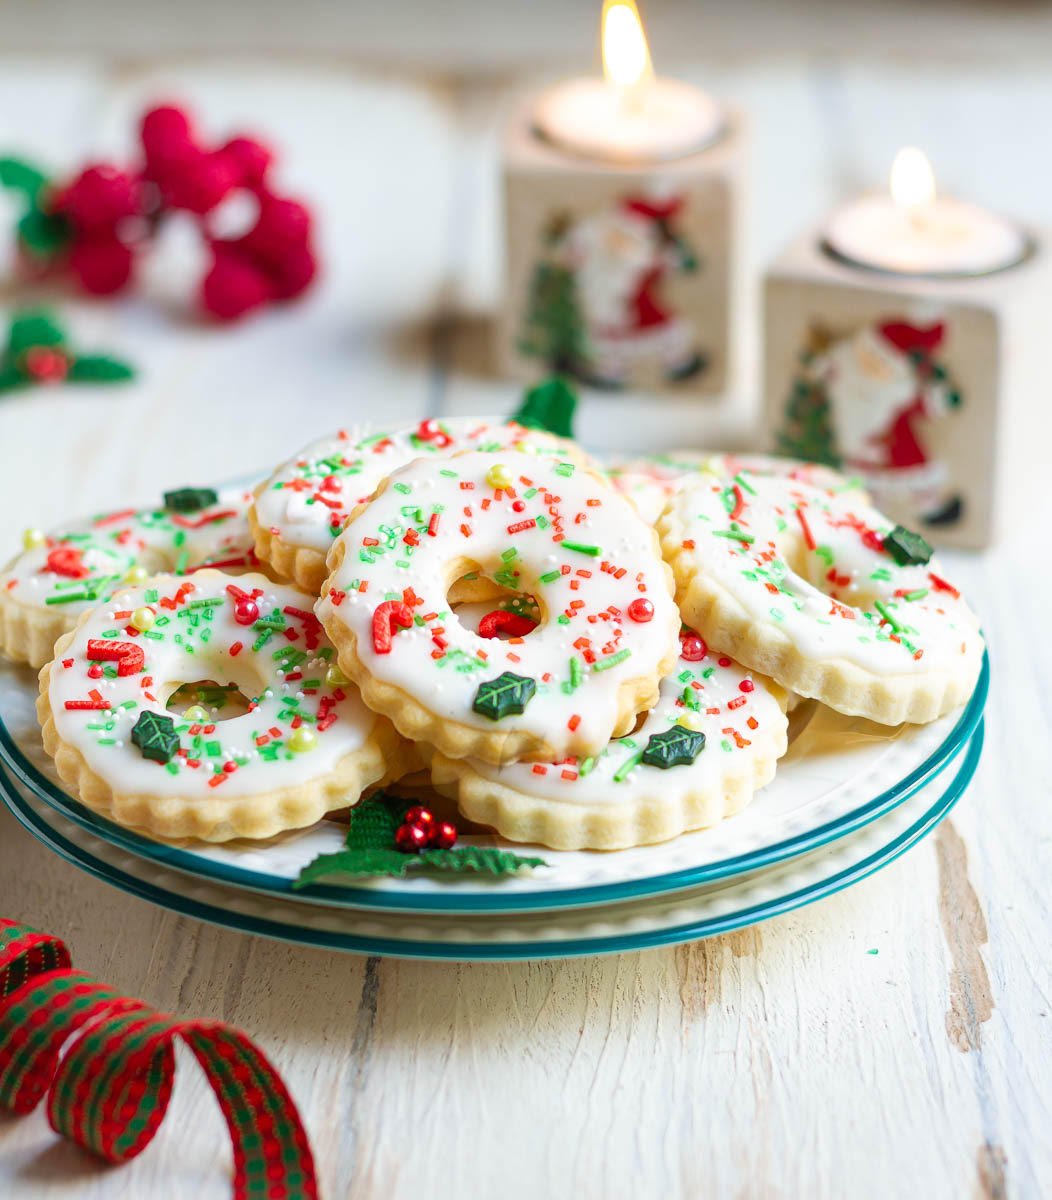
(222, 701)
(472, 614)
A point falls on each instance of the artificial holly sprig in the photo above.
(390, 836)
(549, 405)
(38, 352)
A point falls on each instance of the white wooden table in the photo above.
(891, 1041)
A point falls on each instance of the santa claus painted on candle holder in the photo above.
(862, 401)
(598, 305)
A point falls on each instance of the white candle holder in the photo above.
(622, 275)
(926, 387)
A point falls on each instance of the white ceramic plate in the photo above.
(839, 774)
(636, 924)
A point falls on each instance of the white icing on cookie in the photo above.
(739, 718)
(304, 715)
(534, 525)
(648, 482)
(818, 566)
(82, 563)
(307, 499)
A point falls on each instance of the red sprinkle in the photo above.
(66, 560)
(809, 537)
(386, 617)
(129, 657)
(500, 619)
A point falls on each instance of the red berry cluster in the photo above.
(420, 831)
(111, 214)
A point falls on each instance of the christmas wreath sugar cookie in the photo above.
(551, 529)
(58, 576)
(822, 593)
(306, 744)
(649, 482)
(710, 742)
(302, 507)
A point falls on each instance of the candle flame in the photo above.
(626, 56)
(912, 180)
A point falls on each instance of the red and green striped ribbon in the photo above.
(107, 1066)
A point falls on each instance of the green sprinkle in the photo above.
(882, 609)
(404, 488)
(740, 479)
(626, 768)
(580, 548)
(917, 594)
(564, 469)
(735, 534)
(613, 661)
(551, 577)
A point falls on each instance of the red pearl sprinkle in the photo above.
(747, 685)
(519, 506)
(724, 661)
(246, 610)
(443, 835)
(692, 648)
(418, 815)
(641, 610)
(410, 839)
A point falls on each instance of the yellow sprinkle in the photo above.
(301, 740)
(498, 476)
(196, 713)
(33, 538)
(143, 619)
(135, 574)
(334, 677)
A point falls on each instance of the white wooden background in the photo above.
(787, 1060)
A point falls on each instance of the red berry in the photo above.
(691, 647)
(410, 839)
(283, 226)
(641, 610)
(102, 265)
(99, 198)
(164, 129)
(418, 815)
(250, 158)
(45, 364)
(234, 286)
(293, 274)
(246, 610)
(198, 182)
(443, 835)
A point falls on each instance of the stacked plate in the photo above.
(849, 798)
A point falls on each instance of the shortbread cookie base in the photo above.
(616, 826)
(28, 634)
(419, 724)
(726, 626)
(382, 758)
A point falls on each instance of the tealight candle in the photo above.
(912, 231)
(630, 115)
(622, 202)
(904, 340)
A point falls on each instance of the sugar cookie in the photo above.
(551, 529)
(822, 593)
(709, 743)
(306, 744)
(59, 576)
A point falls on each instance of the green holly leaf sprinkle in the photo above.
(907, 548)
(99, 368)
(675, 747)
(20, 176)
(155, 736)
(36, 328)
(190, 499)
(508, 693)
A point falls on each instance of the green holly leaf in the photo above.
(11, 378)
(675, 747)
(190, 499)
(488, 860)
(33, 328)
(99, 368)
(155, 736)
(43, 234)
(906, 547)
(550, 406)
(374, 821)
(358, 863)
(19, 176)
(508, 693)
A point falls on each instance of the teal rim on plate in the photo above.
(409, 900)
(458, 951)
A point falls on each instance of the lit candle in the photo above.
(630, 115)
(911, 231)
